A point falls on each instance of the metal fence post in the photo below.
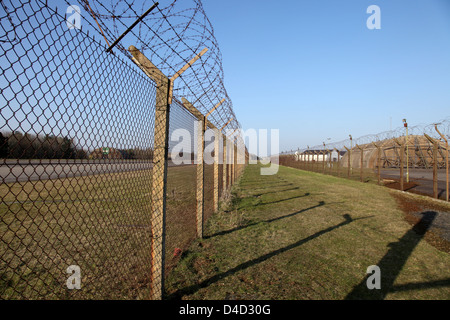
(338, 162)
(435, 176)
(361, 178)
(348, 160)
(201, 144)
(164, 88)
(200, 176)
(330, 152)
(236, 167)
(313, 161)
(314, 166)
(203, 124)
(446, 163)
(317, 162)
(224, 175)
(402, 151)
(323, 159)
(308, 160)
(232, 164)
(216, 168)
(435, 164)
(231, 157)
(230, 167)
(159, 170)
(378, 162)
(306, 157)
(216, 157)
(233, 172)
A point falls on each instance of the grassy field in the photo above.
(295, 235)
(101, 223)
(304, 235)
(334, 169)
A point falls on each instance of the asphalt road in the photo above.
(422, 177)
(31, 170)
(418, 174)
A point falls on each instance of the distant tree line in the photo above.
(18, 145)
(134, 154)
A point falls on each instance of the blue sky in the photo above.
(315, 71)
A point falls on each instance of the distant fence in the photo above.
(418, 147)
(101, 209)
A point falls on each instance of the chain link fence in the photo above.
(92, 203)
(404, 158)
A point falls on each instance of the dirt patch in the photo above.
(395, 184)
(437, 231)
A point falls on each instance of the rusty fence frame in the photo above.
(160, 158)
(435, 156)
(161, 145)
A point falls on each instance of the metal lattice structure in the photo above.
(170, 36)
(90, 192)
(418, 147)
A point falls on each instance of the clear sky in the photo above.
(315, 71)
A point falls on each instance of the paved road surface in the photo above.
(422, 177)
(30, 170)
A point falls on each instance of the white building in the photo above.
(318, 155)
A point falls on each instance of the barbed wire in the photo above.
(415, 131)
(81, 143)
(170, 36)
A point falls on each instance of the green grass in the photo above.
(101, 223)
(304, 235)
(336, 169)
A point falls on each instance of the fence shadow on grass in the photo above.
(394, 260)
(205, 283)
(421, 285)
(321, 203)
(282, 200)
(276, 191)
(268, 185)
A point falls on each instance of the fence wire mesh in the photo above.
(170, 36)
(77, 125)
(86, 167)
(181, 184)
(418, 148)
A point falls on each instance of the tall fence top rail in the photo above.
(419, 130)
(60, 84)
(169, 36)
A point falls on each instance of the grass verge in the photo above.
(102, 223)
(304, 235)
